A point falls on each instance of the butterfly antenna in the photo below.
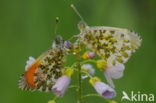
(56, 25)
(76, 11)
(58, 39)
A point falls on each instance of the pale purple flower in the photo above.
(91, 54)
(88, 68)
(67, 44)
(104, 90)
(29, 62)
(61, 85)
(114, 72)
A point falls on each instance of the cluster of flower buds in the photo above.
(110, 72)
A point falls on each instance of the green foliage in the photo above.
(27, 29)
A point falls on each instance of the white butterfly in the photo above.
(114, 45)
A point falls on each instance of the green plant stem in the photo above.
(89, 60)
(73, 86)
(54, 99)
(79, 78)
(95, 95)
(89, 95)
(90, 76)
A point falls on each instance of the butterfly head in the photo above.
(82, 26)
(58, 42)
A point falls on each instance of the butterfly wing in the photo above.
(26, 81)
(43, 72)
(49, 70)
(112, 44)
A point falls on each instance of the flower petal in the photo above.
(116, 71)
(104, 90)
(89, 68)
(29, 62)
(61, 85)
(67, 44)
(109, 79)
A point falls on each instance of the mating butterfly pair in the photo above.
(114, 45)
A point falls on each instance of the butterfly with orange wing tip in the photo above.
(42, 73)
(114, 45)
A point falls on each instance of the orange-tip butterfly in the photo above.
(42, 73)
(115, 45)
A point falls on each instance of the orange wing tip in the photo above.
(29, 62)
(22, 84)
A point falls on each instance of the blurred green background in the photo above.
(27, 29)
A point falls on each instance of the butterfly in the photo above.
(42, 73)
(114, 45)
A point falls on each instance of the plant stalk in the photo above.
(79, 79)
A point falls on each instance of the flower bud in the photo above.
(68, 72)
(88, 55)
(101, 64)
(67, 44)
(88, 68)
